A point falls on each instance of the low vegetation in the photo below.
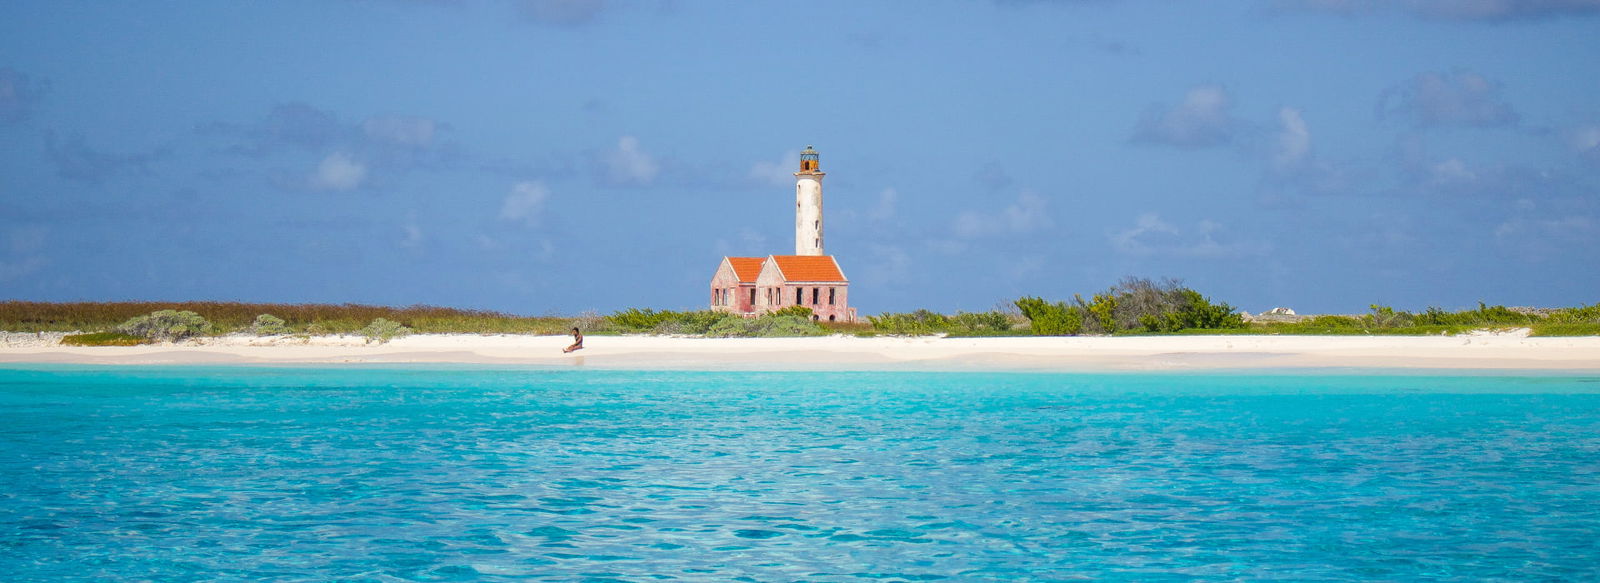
(924, 322)
(268, 325)
(104, 339)
(229, 317)
(166, 325)
(1132, 306)
(790, 321)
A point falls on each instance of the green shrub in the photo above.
(268, 325)
(970, 322)
(1387, 317)
(694, 323)
(1332, 322)
(637, 320)
(167, 325)
(104, 339)
(798, 311)
(769, 326)
(1050, 319)
(1567, 329)
(664, 321)
(918, 323)
(1483, 316)
(382, 331)
(1578, 315)
(1132, 305)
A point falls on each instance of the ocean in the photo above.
(465, 473)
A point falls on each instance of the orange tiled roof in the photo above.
(746, 268)
(808, 267)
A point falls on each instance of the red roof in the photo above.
(746, 268)
(808, 268)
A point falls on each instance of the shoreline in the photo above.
(1487, 352)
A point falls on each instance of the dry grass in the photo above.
(20, 316)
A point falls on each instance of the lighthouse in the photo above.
(810, 279)
(808, 205)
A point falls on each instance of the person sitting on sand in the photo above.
(577, 341)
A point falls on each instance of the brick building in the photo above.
(752, 286)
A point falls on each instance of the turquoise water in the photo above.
(463, 474)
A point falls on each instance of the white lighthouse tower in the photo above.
(808, 205)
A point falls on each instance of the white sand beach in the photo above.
(1480, 351)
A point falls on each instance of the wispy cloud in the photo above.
(525, 203)
(1030, 212)
(1454, 10)
(24, 251)
(1153, 236)
(776, 172)
(75, 159)
(19, 94)
(628, 164)
(338, 172)
(1204, 119)
(1460, 98)
(350, 153)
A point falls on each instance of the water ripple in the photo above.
(461, 474)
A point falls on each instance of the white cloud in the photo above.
(18, 94)
(627, 164)
(1586, 140)
(413, 237)
(338, 172)
(885, 208)
(1460, 98)
(1201, 121)
(776, 172)
(887, 264)
(409, 131)
(1029, 213)
(1456, 10)
(1451, 172)
(1152, 236)
(525, 204)
(1293, 146)
(23, 252)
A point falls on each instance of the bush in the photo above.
(1387, 317)
(798, 311)
(637, 320)
(918, 323)
(925, 322)
(166, 325)
(693, 323)
(979, 322)
(769, 326)
(382, 331)
(268, 325)
(1578, 315)
(666, 321)
(1133, 304)
(104, 339)
(1050, 319)
(1483, 316)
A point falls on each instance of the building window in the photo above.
(752, 296)
(799, 296)
(814, 293)
(830, 294)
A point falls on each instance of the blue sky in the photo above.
(556, 156)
